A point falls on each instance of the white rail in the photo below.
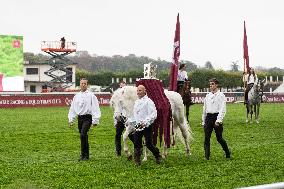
(279, 185)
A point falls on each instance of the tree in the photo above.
(235, 66)
(208, 65)
(190, 66)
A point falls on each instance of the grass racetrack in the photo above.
(39, 150)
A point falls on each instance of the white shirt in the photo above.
(214, 103)
(144, 111)
(250, 79)
(85, 103)
(182, 75)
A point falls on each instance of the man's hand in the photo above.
(71, 124)
(140, 126)
(217, 124)
(118, 118)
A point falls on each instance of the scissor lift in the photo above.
(59, 63)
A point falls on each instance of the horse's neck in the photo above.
(253, 94)
(185, 89)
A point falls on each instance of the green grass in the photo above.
(38, 150)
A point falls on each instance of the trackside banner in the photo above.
(49, 100)
(45, 100)
(239, 97)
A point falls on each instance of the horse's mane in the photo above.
(128, 97)
(115, 97)
(129, 92)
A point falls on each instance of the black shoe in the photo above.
(118, 154)
(228, 155)
(158, 159)
(83, 159)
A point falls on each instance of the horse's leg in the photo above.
(257, 112)
(125, 147)
(165, 148)
(254, 109)
(185, 134)
(165, 151)
(247, 107)
(187, 111)
(251, 112)
(145, 152)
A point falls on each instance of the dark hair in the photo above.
(214, 80)
(122, 82)
(83, 78)
(181, 66)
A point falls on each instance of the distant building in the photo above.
(35, 79)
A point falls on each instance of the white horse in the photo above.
(253, 105)
(127, 96)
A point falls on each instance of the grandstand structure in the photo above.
(59, 62)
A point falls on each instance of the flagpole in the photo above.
(175, 58)
(246, 55)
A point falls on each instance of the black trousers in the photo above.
(208, 128)
(148, 134)
(119, 127)
(84, 124)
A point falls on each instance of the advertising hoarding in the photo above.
(11, 63)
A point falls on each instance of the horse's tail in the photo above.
(190, 133)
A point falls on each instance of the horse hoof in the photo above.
(247, 121)
(257, 121)
(188, 153)
(144, 159)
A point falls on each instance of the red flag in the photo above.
(175, 63)
(246, 55)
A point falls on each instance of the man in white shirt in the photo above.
(120, 124)
(145, 114)
(214, 110)
(250, 80)
(85, 104)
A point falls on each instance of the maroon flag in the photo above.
(246, 55)
(176, 53)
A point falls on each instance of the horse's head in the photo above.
(122, 101)
(115, 102)
(128, 98)
(254, 93)
(187, 86)
(259, 86)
